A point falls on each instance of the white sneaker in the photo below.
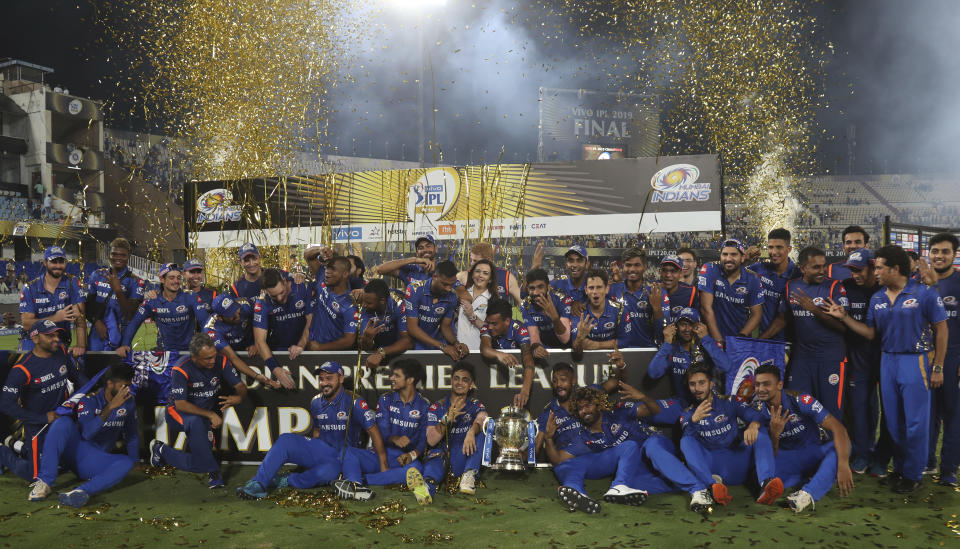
(39, 491)
(800, 500)
(625, 495)
(700, 501)
(468, 482)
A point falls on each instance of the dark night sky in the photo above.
(898, 58)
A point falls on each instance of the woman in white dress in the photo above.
(471, 316)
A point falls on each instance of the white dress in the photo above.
(466, 332)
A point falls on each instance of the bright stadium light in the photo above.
(418, 4)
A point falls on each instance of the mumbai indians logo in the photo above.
(743, 383)
(433, 195)
(216, 206)
(678, 183)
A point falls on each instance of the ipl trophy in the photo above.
(515, 433)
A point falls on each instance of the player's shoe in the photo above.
(931, 469)
(947, 479)
(575, 501)
(347, 489)
(800, 500)
(772, 489)
(468, 482)
(214, 480)
(701, 501)
(418, 486)
(891, 480)
(156, 452)
(859, 465)
(625, 495)
(251, 490)
(280, 480)
(720, 494)
(39, 491)
(907, 486)
(878, 470)
(74, 498)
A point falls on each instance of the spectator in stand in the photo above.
(47, 206)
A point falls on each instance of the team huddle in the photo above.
(874, 347)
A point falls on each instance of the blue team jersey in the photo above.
(675, 360)
(905, 325)
(803, 423)
(35, 299)
(204, 302)
(285, 322)
(200, 386)
(333, 316)
(617, 426)
(461, 426)
(175, 320)
(503, 283)
(637, 325)
(532, 316)
(120, 424)
(565, 285)
(330, 418)
(411, 272)
(731, 302)
(403, 419)
(949, 290)
(838, 271)
(237, 336)
(393, 319)
(515, 338)
(719, 428)
(429, 309)
(809, 335)
(98, 285)
(859, 298)
(606, 326)
(566, 437)
(38, 385)
(773, 285)
(244, 288)
(683, 297)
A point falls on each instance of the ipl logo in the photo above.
(216, 206)
(433, 195)
(678, 183)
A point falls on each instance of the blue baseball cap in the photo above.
(859, 259)
(688, 314)
(428, 237)
(734, 243)
(330, 367)
(192, 264)
(576, 248)
(225, 305)
(672, 260)
(247, 249)
(45, 326)
(166, 268)
(54, 252)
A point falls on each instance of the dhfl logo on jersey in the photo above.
(678, 183)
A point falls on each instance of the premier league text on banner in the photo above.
(250, 428)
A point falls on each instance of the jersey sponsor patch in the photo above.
(608, 325)
(741, 289)
(258, 307)
(80, 407)
(63, 369)
(299, 304)
(833, 379)
(414, 413)
(720, 418)
(121, 412)
(949, 300)
(910, 303)
(341, 415)
(806, 399)
(363, 404)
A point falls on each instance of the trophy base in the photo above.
(509, 466)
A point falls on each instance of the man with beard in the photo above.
(113, 295)
(383, 324)
(901, 313)
(195, 383)
(453, 426)
(774, 274)
(502, 332)
(193, 277)
(818, 356)
(731, 297)
(945, 400)
(338, 419)
(418, 267)
(643, 306)
(173, 311)
(601, 322)
(430, 305)
(281, 320)
(34, 388)
(333, 326)
(686, 341)
(678, 294)
(853, 238)
(794, 420)
(546, 314)
(230, 328)
(56, 296)
(712, 443)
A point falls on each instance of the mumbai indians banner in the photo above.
(746, 354)
(630, 195)
(250, 428)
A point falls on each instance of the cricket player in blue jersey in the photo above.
(383, 324)
(502, 332)
(419, 267)
(713, 445)
(853, 238)
(679, 294)
(338, 419)
(454, 433)
(602, 321)
(173, 311)
(248, 285)
(794, 421)
(774, 274)
(84, 445)
(192, 407)
(573, 284)
(818, 357)
(115, 285)
(644, 307)
(281, 320)
(333, 326)
(731, 296)
(193, 280)
(946, 399)
(902, 314)
(546, 314)
(57, 296)
(34, 388)
(430, 306)
(230, 328)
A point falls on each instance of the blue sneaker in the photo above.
(74, 498)
(947, 479)
(859, 465)
(156, 456)
(215, 480)
(878, 470)
(251, 490)
(281, 480)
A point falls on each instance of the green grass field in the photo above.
(511, 511)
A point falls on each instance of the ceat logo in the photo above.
(447, 229)
(414, 413)
(341, 415)
(806, 399)
(433, 195)
(217, 206)
(678, 183)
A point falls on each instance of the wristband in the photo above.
(271, 363)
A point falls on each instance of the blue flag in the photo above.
(66, 409)
(746, 354)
